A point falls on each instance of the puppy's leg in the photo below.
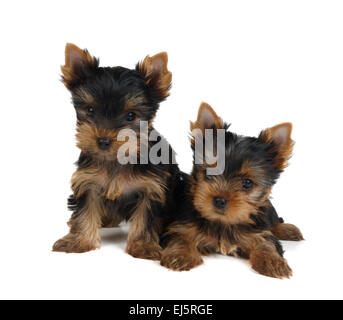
(84, 224)
(282, 231)
(266, 256)
(143, 238)
(286, 231)
(181, 250)
(181, 255)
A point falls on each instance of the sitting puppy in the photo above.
(231, 213)
(109, 101)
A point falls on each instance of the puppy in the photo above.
(111, 104)
(231, 213)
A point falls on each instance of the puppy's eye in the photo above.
(247, 184)
(90, 111)
(131, 116)
(219, 202)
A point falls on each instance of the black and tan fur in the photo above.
(106, 100)
(231, 213)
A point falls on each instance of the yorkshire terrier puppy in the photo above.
(230, 213)
(108, 101)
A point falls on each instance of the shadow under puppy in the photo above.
(108, 100)
(231, 213)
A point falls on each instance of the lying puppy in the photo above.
(230, 213)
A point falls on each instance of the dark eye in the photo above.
(247, 184)
(219, 202)
(131, 116)
(90, 111)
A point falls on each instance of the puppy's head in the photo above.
(252, 166)
(110, 99)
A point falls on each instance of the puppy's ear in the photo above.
(158, 77)
(207, 119)
(77, 63)
(280, 137)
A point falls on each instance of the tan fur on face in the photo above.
(138, 105)
(241, 204)
(132, 101)
(155, 70)
(85, 96)
(256, 175)
(88, 134)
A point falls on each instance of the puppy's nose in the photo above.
(104, 143)
(220, 203)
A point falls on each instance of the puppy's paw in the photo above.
(288, 232)
(74, 244)
(143, 250)
(271, 265)
(180, 262)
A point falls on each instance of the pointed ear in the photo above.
(77, 62)
(207, 119)
(204, 152)
(280, 137)
(158, 77)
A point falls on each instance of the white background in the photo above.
(258, 63)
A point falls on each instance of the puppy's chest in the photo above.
(113, 185)
(211, 241)
(226, 247)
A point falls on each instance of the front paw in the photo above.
(143, 250)
(287, 231)
(180, 262)
(75, 244)
(271, 265)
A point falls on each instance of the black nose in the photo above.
(104, 143)
(220, 203)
